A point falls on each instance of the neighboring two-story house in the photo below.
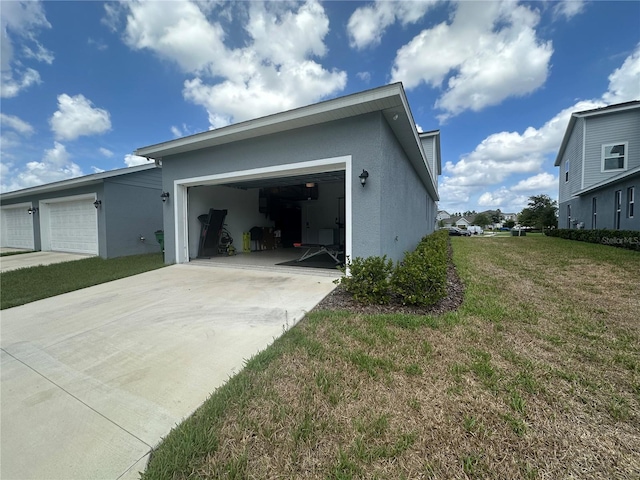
(599, 161)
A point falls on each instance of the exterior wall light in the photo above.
(164, 196)
(97, 203)
(363, 177)
(32, 210)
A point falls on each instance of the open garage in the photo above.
(351, 175)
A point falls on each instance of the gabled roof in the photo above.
(436, 135)
(389, 99)
(75, 182)
(616, 178)
(618, 107)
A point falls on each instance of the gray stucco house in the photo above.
(299, 172)
(110, 214)
(599, 161)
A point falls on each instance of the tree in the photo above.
(482, 219)
(509, 224)
(496, 217)
(541, 212)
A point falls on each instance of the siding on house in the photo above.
(573, 154)
(582, 207)
(404, 217)
(132, 209)
(618, 127)
(430, 149)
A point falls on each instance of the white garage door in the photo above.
(73, 226)
(17, 228)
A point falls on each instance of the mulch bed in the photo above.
(339, 299)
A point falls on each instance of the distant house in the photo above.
(458, 221)
(442, 215)
(111, 214)
(599, 161)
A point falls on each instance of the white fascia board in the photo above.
(565, 139)
(75, 182)
(608, 110)
(343, 107)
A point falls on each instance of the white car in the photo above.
(475, 230)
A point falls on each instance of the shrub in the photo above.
(369, 279)
(421, 277)
(628, 239)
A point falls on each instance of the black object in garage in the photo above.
(211, 228)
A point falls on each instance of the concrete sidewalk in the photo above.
(93, 379)
(32, 259)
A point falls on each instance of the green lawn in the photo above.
(26, 285)
(537, 375)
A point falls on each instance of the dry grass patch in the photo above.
(537, 375)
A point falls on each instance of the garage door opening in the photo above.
(299, 216)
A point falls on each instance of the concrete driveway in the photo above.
(32, 259)
(91, 380)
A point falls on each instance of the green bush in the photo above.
(421, 277)
(369, 279)
(628, 239)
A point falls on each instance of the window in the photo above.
(614, 157)
(618, 207)
(566, 171)
(630, 201)
(569, 216)
(594, 213)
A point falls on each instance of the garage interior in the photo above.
(281, 216)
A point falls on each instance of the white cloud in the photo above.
(542, 182)
(131, 160)
(12, 135)
(15, 123)
(11, 87)
(624, 82)
(569, 8)
(76, 116)
(504, 199)
(95, 169)
(182, 130)
(368, 24)
(20, 22)
(487, 53)
(54, 166)
(40, 53)
(275, 70)
(106, 152)
(99, 44)
(364, 76)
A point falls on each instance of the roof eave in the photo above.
(334, 109)
(91, 179)
(609, 181)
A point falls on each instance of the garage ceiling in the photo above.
(324, 177)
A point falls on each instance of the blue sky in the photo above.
(86, 83)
